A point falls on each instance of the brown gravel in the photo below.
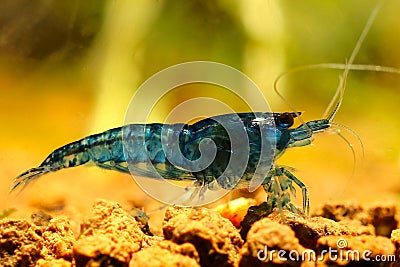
(58, 240)
(20, 243)
(167, 253)
(309, 230)
(215, 238)
(111, 236)
(383, 216)
(266, 234)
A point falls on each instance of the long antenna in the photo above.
(342, 84)
(346, 67)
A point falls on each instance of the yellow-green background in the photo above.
(69, 68)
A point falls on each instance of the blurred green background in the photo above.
(69, 68)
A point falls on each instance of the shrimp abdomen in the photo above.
(99, 149)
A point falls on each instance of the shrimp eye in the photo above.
(285, 119)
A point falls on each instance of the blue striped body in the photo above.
(174, 151)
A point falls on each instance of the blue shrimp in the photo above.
(106, 151)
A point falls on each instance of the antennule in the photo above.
(349, 143)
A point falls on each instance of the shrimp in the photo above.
(147, 151)
(106, 151)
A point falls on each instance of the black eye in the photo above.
(285, 119)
